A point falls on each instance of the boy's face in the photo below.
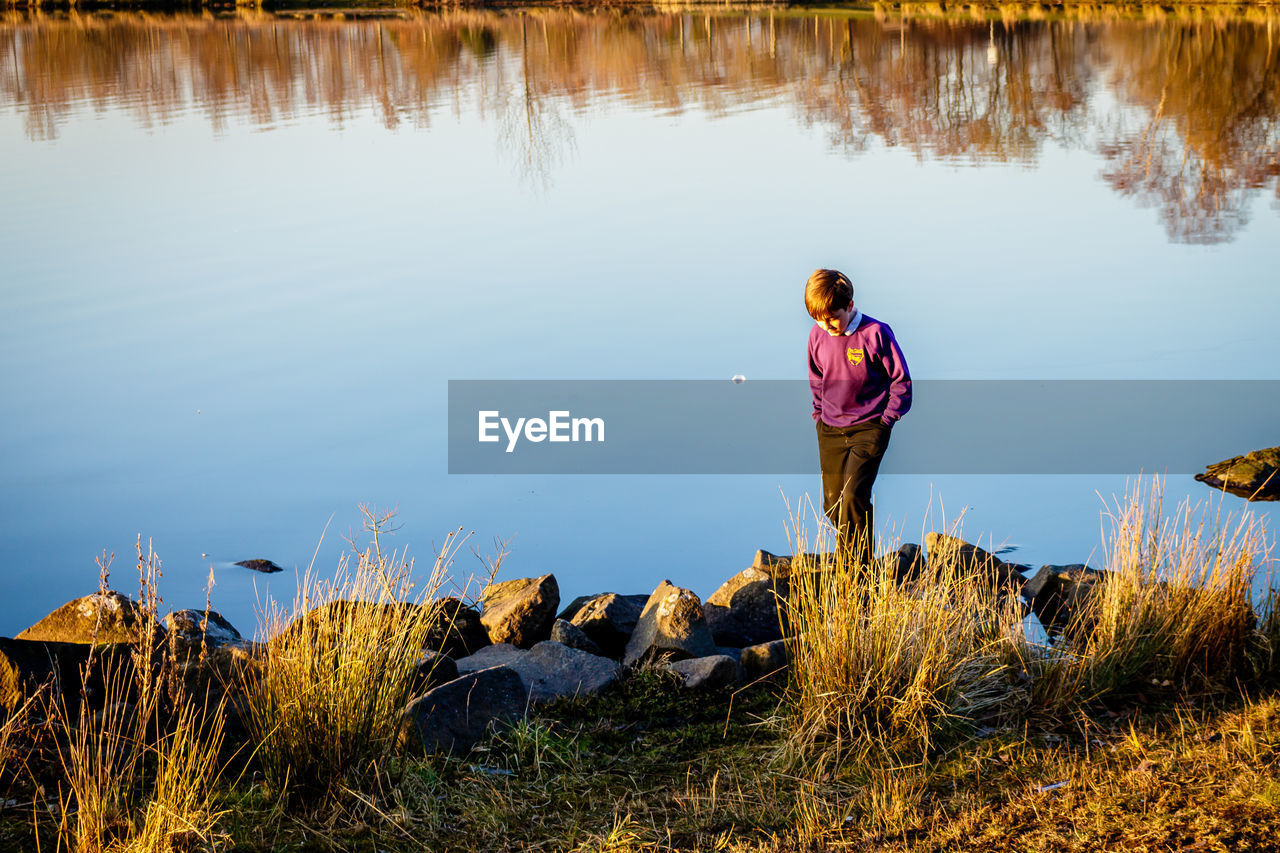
(838, 322)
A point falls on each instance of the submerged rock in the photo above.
(259, 565)
(103, 617)
(1254, 476)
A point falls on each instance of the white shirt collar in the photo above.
(854, 323)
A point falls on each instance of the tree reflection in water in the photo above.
(1182, 108)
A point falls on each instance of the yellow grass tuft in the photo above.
(325, 703)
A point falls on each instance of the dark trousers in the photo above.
(850, 459)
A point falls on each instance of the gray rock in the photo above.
(103, 617)
(431, 670)
(745, 610)
(730, 651)
(498, 654)
(1058, 593)
(1255, 476)
(610, 619)
(774, 564)
(574, 637)
(672, 625)
(571, 609)
(909, 563)
(764, 660)
(454, 716)
(456, 630)
(187, 627)
(267, 567)
(551, 670)
(706, 673)
(521, 611)
(972, 560)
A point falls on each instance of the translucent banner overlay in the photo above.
(766, 427)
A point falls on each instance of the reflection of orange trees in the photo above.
(1205, 135)
(1197, 134)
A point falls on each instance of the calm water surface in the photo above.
(241, 257)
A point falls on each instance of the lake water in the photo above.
(241, 258)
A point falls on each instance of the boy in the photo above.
(861, 387)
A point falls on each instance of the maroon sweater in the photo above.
(858, 377)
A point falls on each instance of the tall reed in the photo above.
(1173, 610)
(336, 669)
(138, 766)
(883, 666)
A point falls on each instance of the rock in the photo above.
(574, 606)
(454, 716)
(574, 637)
(431, 670)
(498, 654)
(744, 611)
(520, 611)
(969, 559)
(609, 620)
(457, 630)
(764, 660)
(1254, 476)
(335, 621)
(103, 617)
(1057, 593)
(27, 666)
(909, 563)
(186, 627)
(706, 673)
(730, 651)
(259, 565)
(774, 564)
(552, 670)
(672, 625)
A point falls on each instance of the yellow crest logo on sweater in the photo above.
(854, 354)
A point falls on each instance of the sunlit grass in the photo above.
(325, 701)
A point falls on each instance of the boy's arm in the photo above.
(815, 382)
(895, 365)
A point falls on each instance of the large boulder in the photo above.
(191, 630)
(520, 611)
(103, 617)
(454, 716)
(28, 667)
(609, 620)
(745, 610)
(498, 654)
(946, 551)
(775, 564)
(908, 563)
(553, 670)
(764, 660)
(1254, 476)
(574, 637)
(456, 629)
(431, 670)
(672, 625)
(1058, 594)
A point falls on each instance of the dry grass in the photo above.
(879, 666)
(1173, 612)
(139, 774)
(324, 705)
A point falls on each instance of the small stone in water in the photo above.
(260, 565)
